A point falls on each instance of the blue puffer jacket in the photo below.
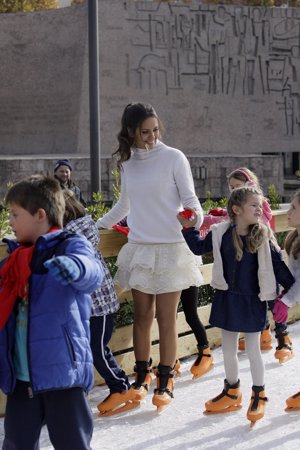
(59, 354)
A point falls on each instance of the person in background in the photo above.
(246, 269)
(62, 172)
(104, 304)
(284, 350)
(46, 365)
(204, 360)
(156, 264)
(292, 247)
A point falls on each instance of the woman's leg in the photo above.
(166, 310)
(189, 301)
(144, 313)
(230, 350)
(255, 358)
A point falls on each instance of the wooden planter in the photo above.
(121, 343)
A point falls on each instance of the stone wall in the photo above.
(209, 172)
(224, 80)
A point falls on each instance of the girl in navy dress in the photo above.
(247, 265)
(284, 351)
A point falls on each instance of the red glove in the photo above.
(280, 311)
(124, 230)
(187, 214)
(217, 212)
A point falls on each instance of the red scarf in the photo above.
(14, 275)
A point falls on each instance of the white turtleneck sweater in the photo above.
(155, 185)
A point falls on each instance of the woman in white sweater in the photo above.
(156, 264)
(292, 246)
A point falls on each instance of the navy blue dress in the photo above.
(238, 309)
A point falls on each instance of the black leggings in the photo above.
(189, 301)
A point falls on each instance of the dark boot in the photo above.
(143, 378)
(163, 393)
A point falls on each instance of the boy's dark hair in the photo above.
(74, 209)
(39, 192)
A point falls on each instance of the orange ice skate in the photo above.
(163, 394)
(118, 402)
(284, 350)
(229, 400)
(293, 402)
(256, 410)
(177, 368)
(203, 363)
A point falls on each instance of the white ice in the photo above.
(183, 425)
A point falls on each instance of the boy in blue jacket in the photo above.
(46, 365)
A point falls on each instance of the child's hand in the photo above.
(63, 269)
(187, 218)
(280, 311)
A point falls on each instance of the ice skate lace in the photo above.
(281, 341)
(199, 358)
(223, 394)
(256, 399)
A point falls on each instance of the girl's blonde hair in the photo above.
(245, 175)
(257, 232)
(292, 241)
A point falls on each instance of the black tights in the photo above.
(189, 301)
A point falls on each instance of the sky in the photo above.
(183, 425)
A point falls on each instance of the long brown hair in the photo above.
(74, 209)
(257, 232)
(133, 116)
(292, 241)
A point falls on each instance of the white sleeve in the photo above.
(118, 211)
(185, 185)
(293, 294)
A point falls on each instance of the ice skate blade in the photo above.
(140, 394)
(195, 376)
(285, 359)
(252, 423)
(291, 408)
(223, 411)
(162, 408)
(127, 407)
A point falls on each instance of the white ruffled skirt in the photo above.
(157, 268)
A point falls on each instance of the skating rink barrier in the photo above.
(121, 343)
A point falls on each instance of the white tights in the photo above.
(230, 350)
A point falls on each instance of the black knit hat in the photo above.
(63, 162)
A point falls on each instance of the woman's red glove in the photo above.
(190, 216)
